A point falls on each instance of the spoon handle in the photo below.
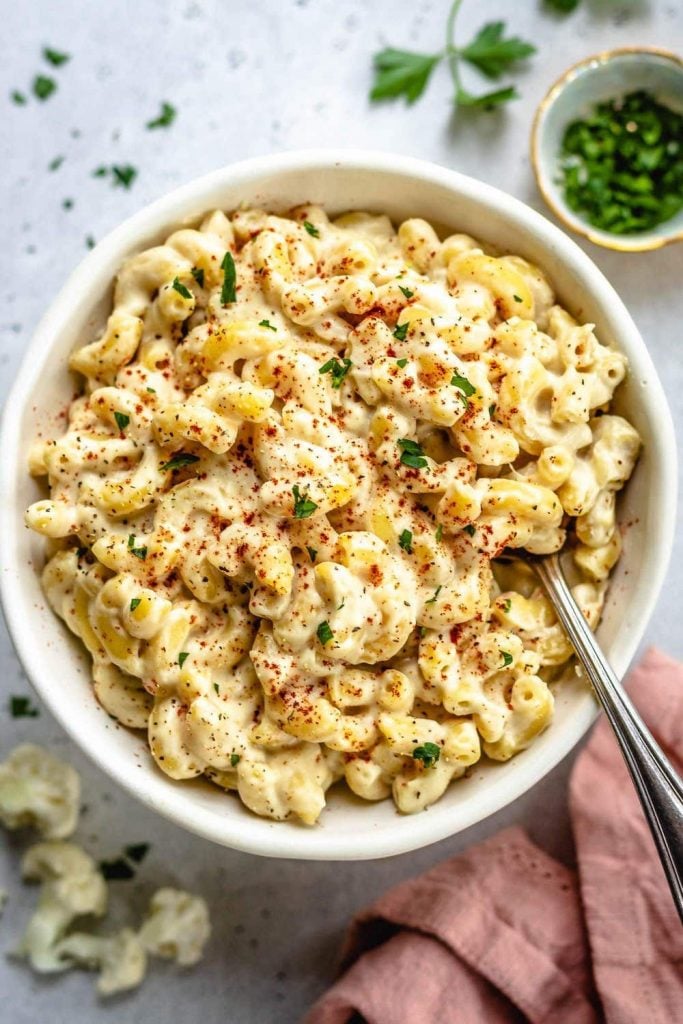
(658, 786)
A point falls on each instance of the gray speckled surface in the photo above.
(249, 78)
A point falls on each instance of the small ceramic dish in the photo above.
(573, 96)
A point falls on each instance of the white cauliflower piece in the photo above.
(120, 958)
(39, 790)
(71, 887)
(177, 926)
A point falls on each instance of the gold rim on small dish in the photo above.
(578, 226)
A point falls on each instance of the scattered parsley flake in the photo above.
(336, 370)
(90, 242)
(492, 410)
(198, 275)
(216, 688)
(178, 461)
(507, 605)
(137, 851)
(21, 707)
(135, 603)
(470, 529)
(152, 391)
(131, 541)
(518, 298)
(406, 291)
(122, 420)
(401, 331)
(267, 323)
(312, 553)
(439, 532)
(324, 633)
(402, 363)
(54, 57)
(43, 87)
(462, 384)
(55, 164)
(428, 753)
(405, 541)
(303, 507)
(432, 600)
(562, 6)
(141, 552)
(411, 453)
(229, 290)
(67, 204)
(118, 870)
(507, 658)
(182, 657)
(235, 760)
(179, 287)
(165, 118)
(124, 174)
(100, 172)
(312, 229)
(19, 98)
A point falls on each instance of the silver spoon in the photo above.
(658, 786)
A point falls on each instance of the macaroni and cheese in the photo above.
(277, 511)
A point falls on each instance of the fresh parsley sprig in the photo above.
(402, 73)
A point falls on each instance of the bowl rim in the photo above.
(645, 243)
(262, 836)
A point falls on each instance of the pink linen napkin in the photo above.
(503, 933)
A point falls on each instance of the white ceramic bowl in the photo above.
(572, 97)
(54, 661)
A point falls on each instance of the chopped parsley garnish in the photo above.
(401, 331)
(141, 552)
(235, 760)
(428, 753)
(90, 242)
(152, 391)
(216, 688)
(165, 118)
(621, 168)
(470, 529)
(463, 385)
(21, 707)
(100, 172)
(507, 605)
(517, 298)
(402, 363)
(135, 603)
(178, 461)
(312, 553)
(406, 291)
(303, 506)
(43, 87)
(563, 6)
(198, 275)
(411, 453)
(492, 410)
(228, 291)
(122, 420)
(507, 658)
(182, 657)
(324, 633)
(179, 287)
(56, 163)
(18, 98)
(267, 323)
(405, 541)
(432, 600)
(336, 370)
(67, 204)
(54, 57)
(439, 532)
(312, 229)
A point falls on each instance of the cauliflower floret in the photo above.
(120, 958)
(72, 886)
(177, 926)
(39, 790)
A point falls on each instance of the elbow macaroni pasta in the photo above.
(277, 510)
